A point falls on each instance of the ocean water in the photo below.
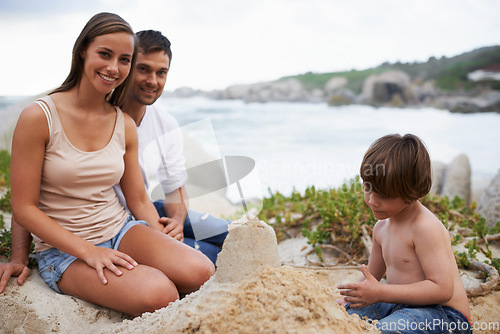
(296, 145)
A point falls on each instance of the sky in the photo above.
(218, 43)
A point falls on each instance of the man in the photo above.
(160, 153)
(161, 149)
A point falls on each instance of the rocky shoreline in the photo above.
(389, 89)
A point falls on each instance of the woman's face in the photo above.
(107, 61)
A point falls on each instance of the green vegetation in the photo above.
(338, 217)
(5, 237)
(354, 78)
(448, 73)
(4, 169)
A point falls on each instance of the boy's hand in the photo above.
(361, 294)
(341, 302)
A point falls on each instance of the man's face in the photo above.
(149, 77)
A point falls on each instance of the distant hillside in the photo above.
(447, 73)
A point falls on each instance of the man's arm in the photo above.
(175, 206)
(18, 264)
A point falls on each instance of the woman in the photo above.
(68, 151)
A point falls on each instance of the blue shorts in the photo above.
(410, 319)
(52, 263)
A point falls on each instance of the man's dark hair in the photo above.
(153, 41)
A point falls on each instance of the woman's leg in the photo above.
(186, 267)
(142, 289)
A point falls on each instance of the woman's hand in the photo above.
(100, 258)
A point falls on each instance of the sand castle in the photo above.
(251, 293)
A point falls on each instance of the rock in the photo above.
(342, 97)
(472, 102)
(249, 247)
(236, 92)
(390, 87)
(457, 179)
(489, 205)
(438, 169)
(316, 96)
(290, 90)
(426, 92)
(335, 84)
(182, 92)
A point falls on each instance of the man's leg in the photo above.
(209, 232)
(207, 228)
(210, 250)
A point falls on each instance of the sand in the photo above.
(251, 293)
(278, 300)
(257, 289)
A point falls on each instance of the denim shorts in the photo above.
(52, 262)
(401, 318)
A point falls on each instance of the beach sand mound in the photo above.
(278, 300)
(251, 293)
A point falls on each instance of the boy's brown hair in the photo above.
(397, 166)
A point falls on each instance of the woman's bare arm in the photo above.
(132, 183)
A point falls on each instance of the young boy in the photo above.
(411, 247)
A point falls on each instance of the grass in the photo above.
(338, 216)
(449, 74)
(334, 216)
(355, 79)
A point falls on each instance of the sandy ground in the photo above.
(253, 291)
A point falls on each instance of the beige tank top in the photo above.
(76, 188)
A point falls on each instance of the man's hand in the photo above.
(361, 294)
(7, 270)
(172, 228)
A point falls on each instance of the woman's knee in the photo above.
(198, 271)
(156, 292)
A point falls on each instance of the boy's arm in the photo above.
(376, 269)
(18, 264)
(376, 263)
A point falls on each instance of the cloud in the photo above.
(221, 42)
(26, 8)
